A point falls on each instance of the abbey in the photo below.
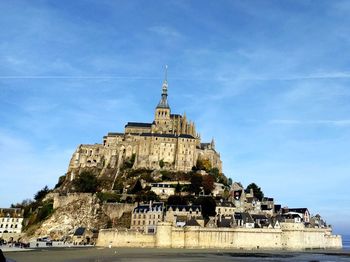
(170, 142)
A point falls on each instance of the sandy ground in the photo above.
(179, 255)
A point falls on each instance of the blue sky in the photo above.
(268, 79)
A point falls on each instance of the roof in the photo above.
(296, 210)
(224, 222)
(265, 207)
(136, 124)
(79, 231)
(11, 212)
(259, 216)
(146, 207)
(192, 222)
(246, 217)
(158, 135)
(224, 204)
(115, 134)
(186, 136)
(267, 199)
(277, 208)
(175, 115)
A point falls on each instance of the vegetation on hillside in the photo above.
(258, 193)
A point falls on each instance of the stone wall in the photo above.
(116, 210)
(64, 200)
(290, 236)
(125, 238)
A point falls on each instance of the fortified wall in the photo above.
(289, 236)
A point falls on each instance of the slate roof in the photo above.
(225, 221)
(259, 216)
(137, 124)
(277, 208)
(79, 231)
(115, 134)
(186, 136)
(159, 135)
(224, 204)
(267, 199)
(146, 207)
(246, 217)
(175, 115)
(265, 207)
(192, 222)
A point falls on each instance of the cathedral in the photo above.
(169, 142)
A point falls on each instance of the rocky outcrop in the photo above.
(82, 211)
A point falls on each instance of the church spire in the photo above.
(164, 100)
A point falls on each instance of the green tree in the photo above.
(214, 172)
(258, 193)
(208, 205)
(161, 163)
(177, 200)
(44, 211)
(137, 187)
(86, 182)
(60, 181)
(196, 183)
(178, 188)
(41, 193)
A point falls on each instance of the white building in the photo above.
(11, 220)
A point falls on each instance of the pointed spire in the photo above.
(164, 100)
(212, 143)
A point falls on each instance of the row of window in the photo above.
(144, 216)
(9, 219)
(7, 226)
(143, 222)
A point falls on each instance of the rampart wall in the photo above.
(289, 236)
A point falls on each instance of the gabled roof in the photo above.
(192, 222)
(224, 222)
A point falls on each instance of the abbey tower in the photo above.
(170, 142)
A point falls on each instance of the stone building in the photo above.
(145, 217)
(170, 141)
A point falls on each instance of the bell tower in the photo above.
(162, 113)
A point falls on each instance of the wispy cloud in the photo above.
(339, 123)
(164, 31)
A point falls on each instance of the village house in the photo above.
(145, 217)
(180, 215)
